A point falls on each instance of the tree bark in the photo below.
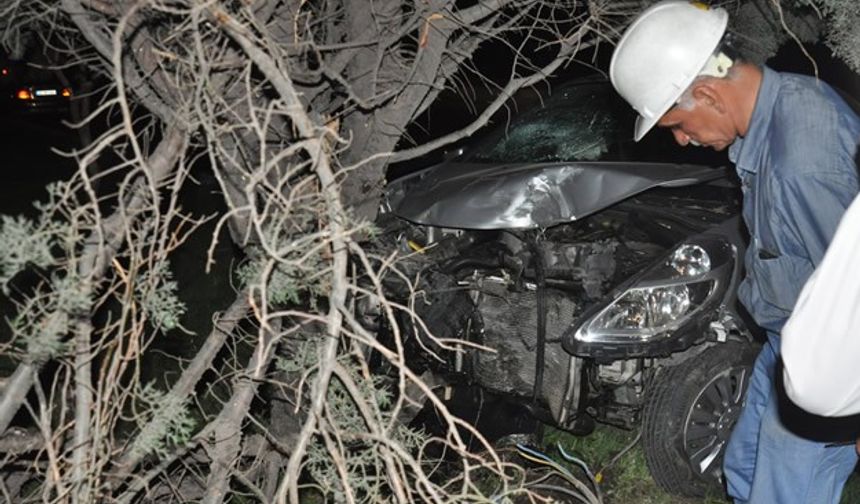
(15, 391)
(225, 449)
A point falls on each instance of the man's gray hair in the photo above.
(719, 66)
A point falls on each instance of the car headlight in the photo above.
(690, 260)
(662, 299)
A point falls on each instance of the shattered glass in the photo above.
(577, 126)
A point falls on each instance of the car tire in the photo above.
(689, 413)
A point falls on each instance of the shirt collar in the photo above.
(746, 151)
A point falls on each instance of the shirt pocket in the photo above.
(781, 278)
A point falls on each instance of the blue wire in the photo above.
(571, 458)
(533, 452)
(555, 465)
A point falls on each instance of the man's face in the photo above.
(700, 123)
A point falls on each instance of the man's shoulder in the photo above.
(812, 128)
(808, 97)
(812, 99)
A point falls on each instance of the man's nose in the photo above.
(682, 138)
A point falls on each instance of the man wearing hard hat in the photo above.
(793, 140)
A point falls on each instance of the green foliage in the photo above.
(362, 456)
(22, 242)
(843, 28)
(290, 280)
(40, 330)
(25, 241)
(305, 357)
(70, 298)
(165, 422)
(45, 317)
(157, 294)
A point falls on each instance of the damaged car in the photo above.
(593, 279)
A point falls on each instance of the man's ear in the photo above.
(706, 93)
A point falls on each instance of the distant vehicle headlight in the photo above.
(24, 94)
(662, 299)
(66, 92)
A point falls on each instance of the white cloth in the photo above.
(820, 343)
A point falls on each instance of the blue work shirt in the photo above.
(797, 170)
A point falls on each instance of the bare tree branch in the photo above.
(184, 386)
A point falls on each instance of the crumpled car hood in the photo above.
(522, 196)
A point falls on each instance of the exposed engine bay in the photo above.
(516, 295)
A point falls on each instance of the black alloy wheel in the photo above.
(689, 414)
(712, 417)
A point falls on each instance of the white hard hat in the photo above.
(660, 55)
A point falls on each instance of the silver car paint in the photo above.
(524, 196)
